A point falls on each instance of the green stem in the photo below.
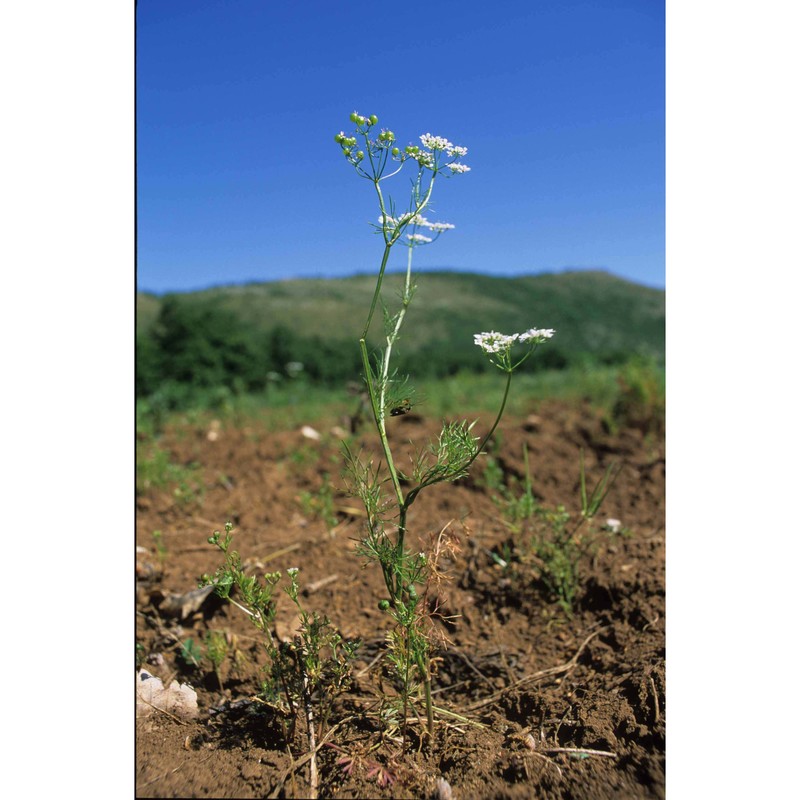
(377, 292)
(426, 674)
(496, 422)
(378, 414)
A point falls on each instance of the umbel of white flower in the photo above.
(493, 342)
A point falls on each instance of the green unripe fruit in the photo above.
(412, 592)
(395, 151)
(360, 154)
(383, 605)
(373, 120)
(346, 151)
(338, 138)
(354, 117)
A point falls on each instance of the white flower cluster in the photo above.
(539, 334)
(422, 158)
(436, 227)
(437, 144)
(440, 143)
(493, 342)
(419, 221)
(419, 238)
(393, 222)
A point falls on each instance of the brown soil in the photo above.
(566, 707)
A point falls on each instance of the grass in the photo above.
(294, 404)
(155, 470)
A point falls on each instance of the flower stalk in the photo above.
(447, 459)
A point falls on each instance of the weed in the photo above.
(190, 654)
(319, 504)
(640, 401)
(161, 548)
(217, 651)
(386, 491)
(304, 676)
(556, 547)
(155, 470)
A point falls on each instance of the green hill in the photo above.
(593, 312)
(243, 338)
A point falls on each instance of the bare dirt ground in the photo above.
(558, 707)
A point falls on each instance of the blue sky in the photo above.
(561, 105)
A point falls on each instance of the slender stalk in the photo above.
(378, 413)
(312, 741)
(496, 422)
(376, 294)
(426, 677)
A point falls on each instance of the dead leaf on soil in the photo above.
(178, 700)
(286, 631)
(184, 605)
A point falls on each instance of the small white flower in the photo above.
(459, 168)
(418, 237)
(493, 342)
(438, 227)
(393, 222)
(435, 142)
(423, 159)
(454, 150)
(539, 334)
(292, 571)
(614, 525)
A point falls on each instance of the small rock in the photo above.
(532, 423)
(443, 790)
(310, 433)
(179, 700)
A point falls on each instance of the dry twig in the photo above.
(580, 751)
(545, 673)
